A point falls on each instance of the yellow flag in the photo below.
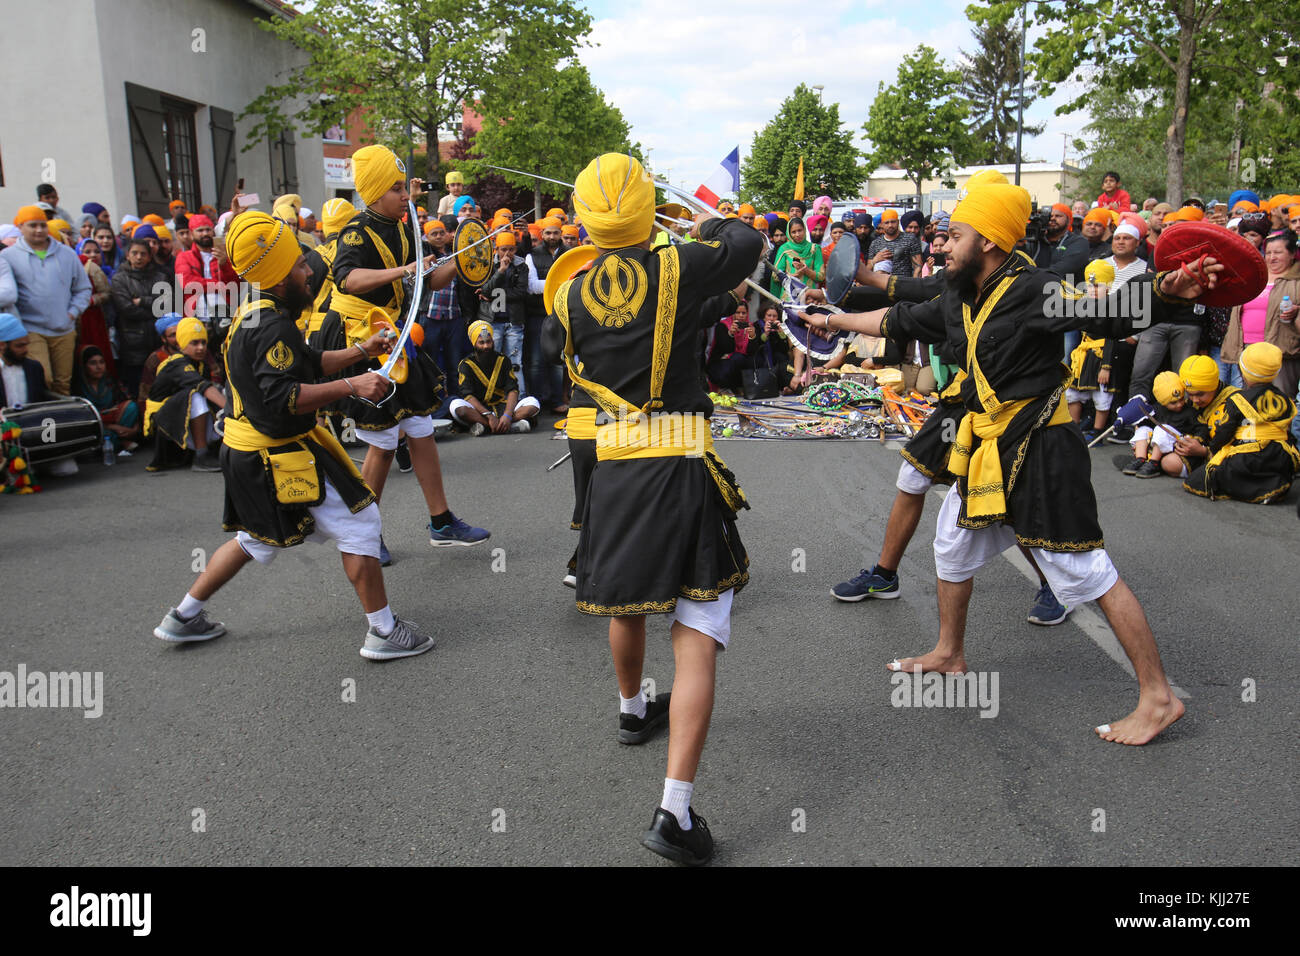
(798, 182)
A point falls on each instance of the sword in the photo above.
(386, 370)
(557, 464)
(478, 242)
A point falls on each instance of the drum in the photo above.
(441, 427)
(55, 430)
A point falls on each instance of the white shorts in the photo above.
(708, 617)
(1101, 398)
(198, 408)
(1075, 577)
(458, 405)
(353, 533)
(1156, 436)
(911, 480)
(417, 426)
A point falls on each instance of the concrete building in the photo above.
(1047, 183)
(131, 103)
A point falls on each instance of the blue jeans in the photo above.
(445, 341)
(509, 341)
(1072, 340)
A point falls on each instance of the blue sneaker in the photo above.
(385, 559)
(868, 584)
(1047, 609)
(456, 533)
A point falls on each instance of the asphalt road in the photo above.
(499, 747)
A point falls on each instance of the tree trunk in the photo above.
(537, 200)
(431, 163)
(1176, 136)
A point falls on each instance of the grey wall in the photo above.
(78, 117)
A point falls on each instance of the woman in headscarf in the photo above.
(93, 325)
(109, 253)
(799, 257)
(120, 415)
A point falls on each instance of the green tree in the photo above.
(555, 125)
(1178, 49)
(802, 127)
(919, 123)
(991, 84)
(409, 64)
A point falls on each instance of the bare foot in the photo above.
(1144, 723)
(934, 661)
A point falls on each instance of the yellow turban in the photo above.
(29, 214)
(453, 177)
(747, 210)
(478, 328)
(1260, 362)
(1200, 373)
(162, 232)
(374, 170)
(286, 207)
(335, 214)
(58, 227)
(261, 249)
(986, 177)
(1099, 272)
(997, 211)
(1168, 388)
(505, 238)
(187, 330)
(616, 199)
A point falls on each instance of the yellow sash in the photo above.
(982, 465)
(662, 435)
(241, 435)
(151, 406)
(356, 310)
(310, 322)
(1080, 355)
(489, 384)
(581, 424)
(1254, 434)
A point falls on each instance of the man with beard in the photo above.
(489, 395)
(285, 477)
(1021, 470)
(22, 379)
(375, 257)
(1095, 223)
(901, 249)
(207, 281)
(546, 381)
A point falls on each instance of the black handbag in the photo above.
(760, 382)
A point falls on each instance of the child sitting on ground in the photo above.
(1091, 359)
(1153, 446)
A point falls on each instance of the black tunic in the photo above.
(1241, 464)
(178, 378)
(655, 529)
(267, 363)
(484, 364)
(358, 247)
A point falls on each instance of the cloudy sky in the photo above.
(695, 78)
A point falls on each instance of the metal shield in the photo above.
(842, 267)
(473, 265)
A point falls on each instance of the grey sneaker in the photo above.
(521, 426)
(477, 429)
(198, 628)
(404, 641)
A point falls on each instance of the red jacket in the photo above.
(1119, 202)
(189, 272)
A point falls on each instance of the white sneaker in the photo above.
(477, 429)
(63, 468)
(521, 427)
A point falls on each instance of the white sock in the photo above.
(382, 620)
(677, 800)
(632, 705)
(188, 607)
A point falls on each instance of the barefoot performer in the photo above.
(658, 533)
(287, 477)
(1021, 476)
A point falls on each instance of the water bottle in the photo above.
(1286, 306)
(110, 456)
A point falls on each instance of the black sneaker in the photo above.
(403, 456)
(637, 730)
(1132, 465)
(1149, 469)
(693, 847)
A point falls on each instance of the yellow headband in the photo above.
(478, 328)
(1200, 373)
(616, 199)
(997, 211)
(1260, 362)
(1168, 388)
(189, 330)
(375, 169)
(261, 249)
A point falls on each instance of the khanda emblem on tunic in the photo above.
(352, 239)
(279, 356)
(614, 290)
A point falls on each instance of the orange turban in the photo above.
(1186, 214)
(747, 210)
(1097, 214)
(888, 214)
(506, 238)
(550, 222)
(29, 214)
(155, 220)
(760, 223)
(1245, 204)
(569, 230)
(175, 204)
(557, 213)
(997, 211)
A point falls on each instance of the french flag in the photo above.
(725, 179)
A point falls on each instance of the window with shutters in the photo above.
(222, 124)
(162, 150)
(284, 164)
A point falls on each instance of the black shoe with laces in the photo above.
(1132, 465)
(637, 730)
(1149, 469)
(693, 847)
